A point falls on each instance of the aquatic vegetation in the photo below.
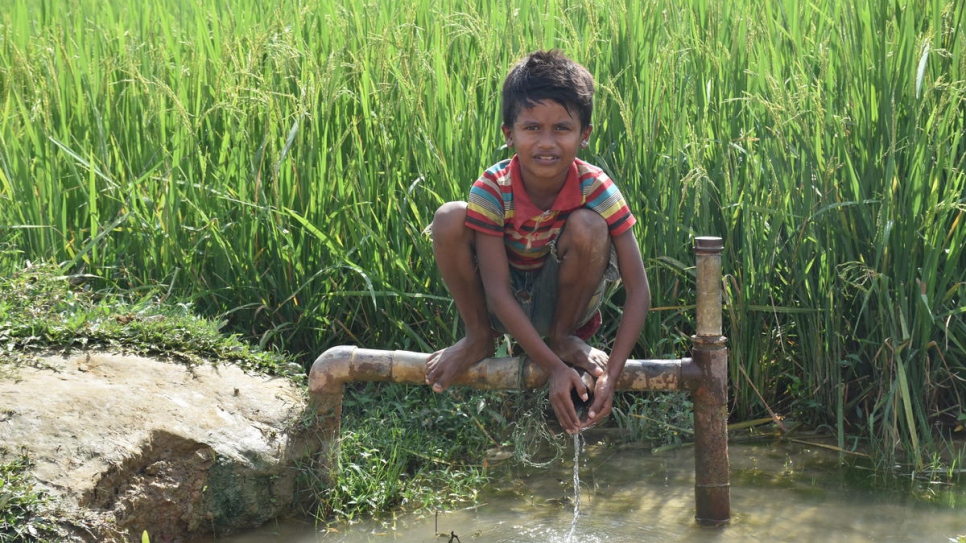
(662, 419)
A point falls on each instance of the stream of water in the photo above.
(781, 492)
(578, 441)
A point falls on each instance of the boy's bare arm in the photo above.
(495, 273)
(636, 305)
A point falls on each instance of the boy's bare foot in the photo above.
(576, 352)
(445, 365)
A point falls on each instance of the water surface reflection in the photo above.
(780, 492)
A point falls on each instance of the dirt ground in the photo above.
(139, 444)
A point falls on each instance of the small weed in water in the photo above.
(661, 418)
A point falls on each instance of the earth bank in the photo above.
(127, 443)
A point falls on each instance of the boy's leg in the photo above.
(453, 248)
(583, 252)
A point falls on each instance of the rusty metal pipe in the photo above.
(712, 487)
(345, 364)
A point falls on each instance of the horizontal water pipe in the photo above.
(704, 375)
(349, 364)
(346, 364)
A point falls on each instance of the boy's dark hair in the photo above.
(548, 75)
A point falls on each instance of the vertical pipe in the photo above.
(326, 388)
(712, 490)
(327, 407)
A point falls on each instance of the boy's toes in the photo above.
(594, 361)
(599, 359)
(589, 366)
(435, 371)
(433, 367)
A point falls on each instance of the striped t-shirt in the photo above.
(498, 205)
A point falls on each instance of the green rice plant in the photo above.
(276, 165)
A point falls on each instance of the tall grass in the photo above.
(275, 163)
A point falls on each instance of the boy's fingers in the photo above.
(597, 412)
(599, 408)
(592, 412)
(560, 398)
(566, 421)
(584, 393)
(582, 390)
(566, 414)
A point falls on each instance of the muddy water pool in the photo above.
(780, 492)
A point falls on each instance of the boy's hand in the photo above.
(603, 401)
(562, 381)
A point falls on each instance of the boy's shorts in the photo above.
(536, 292)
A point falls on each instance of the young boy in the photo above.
(529, 254)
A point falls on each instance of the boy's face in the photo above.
(546, 138)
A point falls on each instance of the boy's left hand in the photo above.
(603, 401)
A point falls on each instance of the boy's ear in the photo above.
(507, 134)
(585, 135)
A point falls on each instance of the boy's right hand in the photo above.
(562, 381)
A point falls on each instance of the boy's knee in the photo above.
(450, 217)
(586, 228)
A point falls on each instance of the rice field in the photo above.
(275, 165)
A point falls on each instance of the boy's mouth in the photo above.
(545, 158)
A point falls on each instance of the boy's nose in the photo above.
(546, 139)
